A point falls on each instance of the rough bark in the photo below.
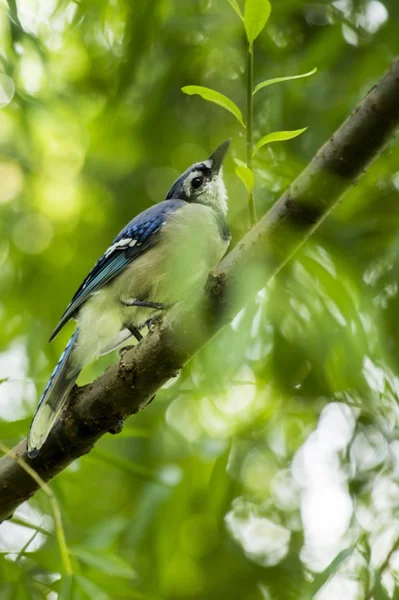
(126, 387)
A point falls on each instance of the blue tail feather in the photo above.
(53, 398)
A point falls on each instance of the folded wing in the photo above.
(137, 237)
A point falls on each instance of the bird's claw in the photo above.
(123, 350)
(154, 322)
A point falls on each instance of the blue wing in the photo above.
(132, 241)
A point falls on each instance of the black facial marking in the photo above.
(205, 170)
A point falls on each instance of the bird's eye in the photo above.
(196, 182)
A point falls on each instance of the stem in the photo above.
(384, 565)
(250, 100)
(54, 506)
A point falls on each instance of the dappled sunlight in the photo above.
(7, 90)
(17, 392)
(263, 541)
(326, 506)
(219, 415)
(341, 586)
(374, 16)
(33, 234)
(31, 77)
(34, 14)
(60, 199)
(11, 181)
(15, 537)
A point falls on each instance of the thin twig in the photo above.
(250, 103)
(54, 506)
(384, 565)
(23, 523)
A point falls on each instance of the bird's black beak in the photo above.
(219, 155)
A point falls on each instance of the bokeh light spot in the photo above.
(11, 181)
(7, 90)
(33, 234)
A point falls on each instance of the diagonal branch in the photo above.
(127, 387)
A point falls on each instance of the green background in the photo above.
(276, 449)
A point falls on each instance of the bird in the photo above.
(162, 256)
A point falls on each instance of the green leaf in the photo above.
(268, 82)
(256, 15)
(122, 589)
(234, 5)
(379, 592)
(66, 588)
(246, 176)
(216, 98)
(332, 568)
(25, 547)
(106, 563)
(278, 136)
(90, 589)
(122, 464)
(24, 523)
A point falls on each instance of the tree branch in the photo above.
(125, 388)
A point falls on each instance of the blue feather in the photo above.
(53, 398)
(142, 230)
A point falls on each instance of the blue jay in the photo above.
(160, 257)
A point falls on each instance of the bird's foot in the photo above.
(125, 349)
(146, 304)
(154, 322)
(135, 332)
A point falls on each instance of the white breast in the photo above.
(189, 246)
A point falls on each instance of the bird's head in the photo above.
(203, 182)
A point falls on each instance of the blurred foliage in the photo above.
(270, 468)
